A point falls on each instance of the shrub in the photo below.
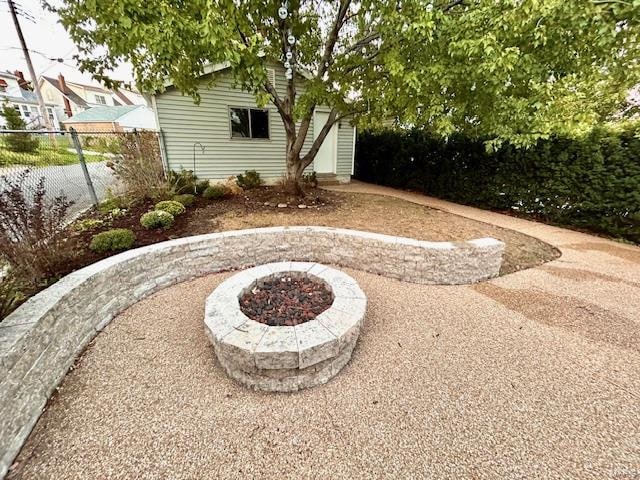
(591, 181)
(201, 186)
(31, 226)
(112, 240)
(17, 142)
(139, 166)
(11, 293)
(111, 203)
(183, 181)
(231, 186)
(250, 179)
(213, 192)
(174, 208)
(87, 224)
(156, 219)
(185, 199)
(117, 213)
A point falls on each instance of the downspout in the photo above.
(353, 152)
(163, 147)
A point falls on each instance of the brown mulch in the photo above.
(286, 301)
(259, 208)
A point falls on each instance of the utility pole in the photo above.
(32, 72)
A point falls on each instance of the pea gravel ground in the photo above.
(534, 374)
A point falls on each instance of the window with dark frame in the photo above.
(249, 123)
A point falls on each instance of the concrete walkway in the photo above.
(592, 290)
(535, 374)
(581, 253)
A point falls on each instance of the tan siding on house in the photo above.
(183, 123)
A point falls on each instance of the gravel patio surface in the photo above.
(535, 374)
(445, 381)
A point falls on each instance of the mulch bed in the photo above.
(286, 301)
(256, 200)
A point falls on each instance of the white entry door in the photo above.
(325, 161)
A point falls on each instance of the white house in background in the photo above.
(72, 97)
(239, 135)
(122, 118)
(14, 92)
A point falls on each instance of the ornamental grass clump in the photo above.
(171, 206)
(112, 240)
(157, 219)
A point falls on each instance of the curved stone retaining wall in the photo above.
(42, 338)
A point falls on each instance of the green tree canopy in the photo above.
(516, 70)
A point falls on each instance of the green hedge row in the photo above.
(592, 182)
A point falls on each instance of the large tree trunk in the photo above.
(295, 163)
(295, 169)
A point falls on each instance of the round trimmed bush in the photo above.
(112, 240)
(213, 192)
(185, 199)
(156, 219)
(171, 206)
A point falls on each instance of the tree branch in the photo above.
(363, 42)
(452, 4)
(365, 63)
(271, 90)
(333, 38)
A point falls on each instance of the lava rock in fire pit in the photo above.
(286, 301)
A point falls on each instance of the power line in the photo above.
(20, 11)
(48, 57)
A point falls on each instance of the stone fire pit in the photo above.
(284, 358)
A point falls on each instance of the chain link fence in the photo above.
(77, 165)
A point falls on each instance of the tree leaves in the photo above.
(514, 70)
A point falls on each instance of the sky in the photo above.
(46, 39)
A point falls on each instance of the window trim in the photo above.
(250, 138)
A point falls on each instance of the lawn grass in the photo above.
(58, 151)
